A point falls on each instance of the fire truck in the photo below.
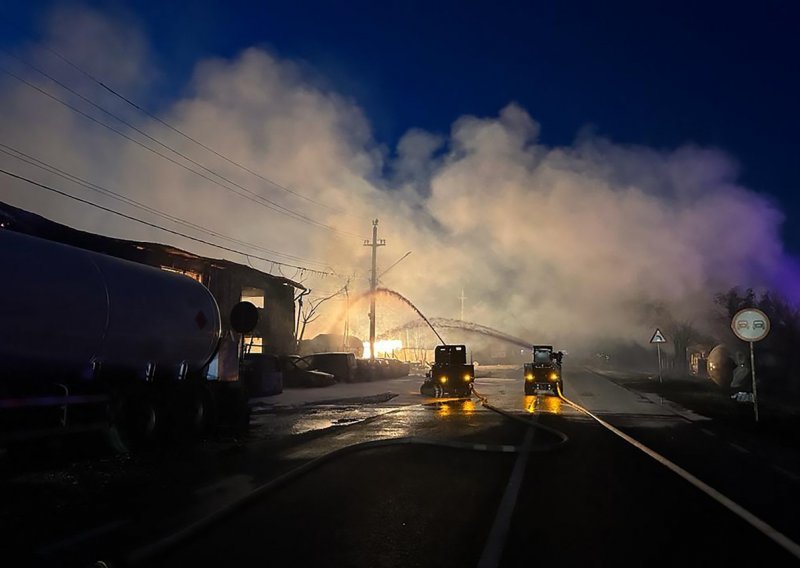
(450, 374)
(544, 372)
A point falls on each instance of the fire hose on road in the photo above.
(495, 542)
(767, 530)
(146, 554)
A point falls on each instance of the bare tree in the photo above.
(778, 366)
(309, 311)
(682, 333)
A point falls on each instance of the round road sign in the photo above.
(750, 324)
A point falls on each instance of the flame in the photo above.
(384, 347)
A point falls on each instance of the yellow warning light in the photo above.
(443, 380)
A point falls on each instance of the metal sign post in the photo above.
(660, 379)
(658, 338)
(753, 375)
(751, 325)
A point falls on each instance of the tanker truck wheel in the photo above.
(197, 411)
(145, 418)
(136, 420)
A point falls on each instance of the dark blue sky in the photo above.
(723, 74)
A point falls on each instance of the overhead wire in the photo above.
(272, 204)
(41, 164)
(109, 193)
(249, 194)
(160, 227)
(155, 117)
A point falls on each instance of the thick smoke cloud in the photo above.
(563, 244)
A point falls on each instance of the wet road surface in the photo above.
(599, 501)
(596, 501)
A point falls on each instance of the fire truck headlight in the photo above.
(443, 380)
(467, 377)
(529, 377)
(553, 376)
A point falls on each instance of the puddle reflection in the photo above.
(460, 406)
(543, 403)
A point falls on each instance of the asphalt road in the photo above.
(597, 500)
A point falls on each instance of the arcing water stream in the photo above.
(442, 322)
(402, 298)
(465, 326)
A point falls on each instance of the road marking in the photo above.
(708, 432)
(739, 448)
(493, 549)
(790, 474)
(763, 527)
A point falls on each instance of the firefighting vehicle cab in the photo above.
(544, 372)
(450, 374)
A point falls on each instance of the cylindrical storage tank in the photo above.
(67, 313)
(720, 366)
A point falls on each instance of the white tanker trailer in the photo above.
(86, 337)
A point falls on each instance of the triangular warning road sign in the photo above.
(658, 337)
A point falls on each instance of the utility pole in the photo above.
(373, 284)
(346, 333)
(462, 297)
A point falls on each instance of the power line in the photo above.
(187, 136)
(275, 206)
(251, 196)
(155, 226)
(33, 161)
(395, 263)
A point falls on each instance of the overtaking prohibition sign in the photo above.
(751, 325)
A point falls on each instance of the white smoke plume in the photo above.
(560, 244)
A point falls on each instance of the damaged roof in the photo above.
(21, 221)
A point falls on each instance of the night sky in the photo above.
(657, 74)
